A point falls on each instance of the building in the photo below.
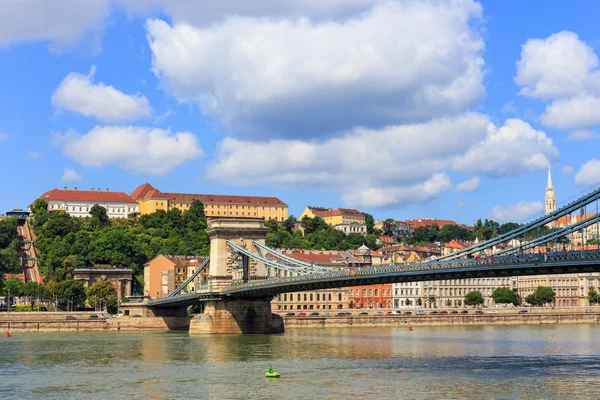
(550, 198)
(352, 227)
(396, 254)
(120, 278)
(335, 217)
(371, 296)
(163, 274)
(451, 293)
(78, 203)
(151, 200)
(407, 295)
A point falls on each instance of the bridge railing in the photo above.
(512, 259)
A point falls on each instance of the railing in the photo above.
(513, 259)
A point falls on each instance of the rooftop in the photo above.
(87, 195)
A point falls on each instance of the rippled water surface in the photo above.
(480, 362)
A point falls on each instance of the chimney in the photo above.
(107, 189)
(99, 189)
(65, 188)
(92, 189)
(75, 188)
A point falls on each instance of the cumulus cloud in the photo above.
(78, 93)
(399, 62)
(516, 212)
(469, 185)
(581, 135)
(412, 160)
(137, 149)
(589, 173)
(62, 23)
(511, 149)
(568, 170)
(562, 69)
(70, 175)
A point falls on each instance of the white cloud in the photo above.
(589, 173)
(138, 149)
(582, 135)
(402, 61)
(516, 212)
(568, 170)
(62, 23)
(33, 155)
(557, 67)
(469, 185)
(509, 108)
(573, 113)
(70, 175)
(511, 149)
(79, 94)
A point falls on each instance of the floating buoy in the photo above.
(8, 335)
(271, 373)
(410, 328)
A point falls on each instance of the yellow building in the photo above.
(151, 200)
(335, 217)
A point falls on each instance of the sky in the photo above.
(403, 109)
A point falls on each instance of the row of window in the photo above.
(308, 307)
(308, 297)
(371, 292)
(471, 281)
(113, 210)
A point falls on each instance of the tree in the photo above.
(370, 222)
(15, 286)
(593, 296)
(419, 302)
(272, 225)
(194, 217)
(542, 295)
(474, 298)
(103, 291)
(99, 216)
(39, 212)
(504, 295)
(68, 290)
(289, 224)
(388, 227)
(448, 303)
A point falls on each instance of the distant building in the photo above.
(78, 203)
(163, 274)
(120, 278)
(352, 227)
(151, 199)
(335, 217)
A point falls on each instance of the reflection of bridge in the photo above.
(244, 274)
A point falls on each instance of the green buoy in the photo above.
(271, 373)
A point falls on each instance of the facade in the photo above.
(352, 227)
(120, 278)
(151, 200)
(397, 254)
(407, 295)
(163, 274)
(371, 296)
(78, 203)
(335, 217)
(451, 293)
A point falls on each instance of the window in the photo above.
(298, 297)
(364, 292)
(304, 296)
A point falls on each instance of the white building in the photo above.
(78, 203)
(407, 294)
(352, 227)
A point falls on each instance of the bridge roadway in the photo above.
(502, 266)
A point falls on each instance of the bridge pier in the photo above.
(248, 316)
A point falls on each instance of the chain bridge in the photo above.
(244, 274)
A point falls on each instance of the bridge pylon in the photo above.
(224, 314)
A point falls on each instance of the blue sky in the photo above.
(403, 109)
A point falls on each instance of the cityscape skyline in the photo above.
(110, 102)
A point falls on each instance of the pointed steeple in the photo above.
(550, 195)
(549, 180)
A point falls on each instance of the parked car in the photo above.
(454, 312)
(290, 314)
(589, 310)
(70, 318)
(407, 313)
(379, 313)
(421, 312)
(464, 312)
(136, 316)
(314, 314)
(479, 312)
(363, 313)
(433, 313)
(302, 314)
(94, 316)
(343, 314)
(523, 311)
(444, 312)
(395, 312)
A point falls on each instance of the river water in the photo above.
(467, 362)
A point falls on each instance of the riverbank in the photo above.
(57, 322)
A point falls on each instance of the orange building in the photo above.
(164, 274)
(371, 296)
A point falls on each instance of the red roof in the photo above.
(386, 239)
(392, 249)
(20, 277)
(420, 222)
(340, 211)
(87, 195)
(453, 244)
(146, 191)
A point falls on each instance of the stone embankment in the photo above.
(57, 322)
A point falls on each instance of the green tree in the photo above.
(99, 216)
(68, 290)
(103, 292)
(474, 298)
(504, 295)
(542, 295)
(593, 296)
(39, 212)
(15, 286)
(370, 222)
(194, 217)
(388, 227)
(272, 225)
(289, 224)
(419, 302)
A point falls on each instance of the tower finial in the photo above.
(549, 178)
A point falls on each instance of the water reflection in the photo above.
(550, 361)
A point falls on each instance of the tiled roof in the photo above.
(567, 219)
(182, 261)
(420, 222)
(392, 249)
(453, 244)
(339, 211)
(87, 195)
(146, 191)
(386, 239)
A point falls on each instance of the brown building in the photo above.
(164, 274)
(120, 278)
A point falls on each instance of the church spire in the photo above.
(549, 180)
(550, 195)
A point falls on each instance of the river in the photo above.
(474, 362)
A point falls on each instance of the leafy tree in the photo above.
(68, 290)
(592, 241)
(504, 295)
(448, 303)
(370, 222)
(99, 216)
(289, 224)
(194, 217)
(474, 298)
(15, 286)
(593, 296)
(272, 225)
(542, 295)
(312, 225)
(103, 291)
(509, 226)
(388, 227)
(419, 302)
(39, 212)
(453, 232)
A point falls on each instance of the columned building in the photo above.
(120, 278)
